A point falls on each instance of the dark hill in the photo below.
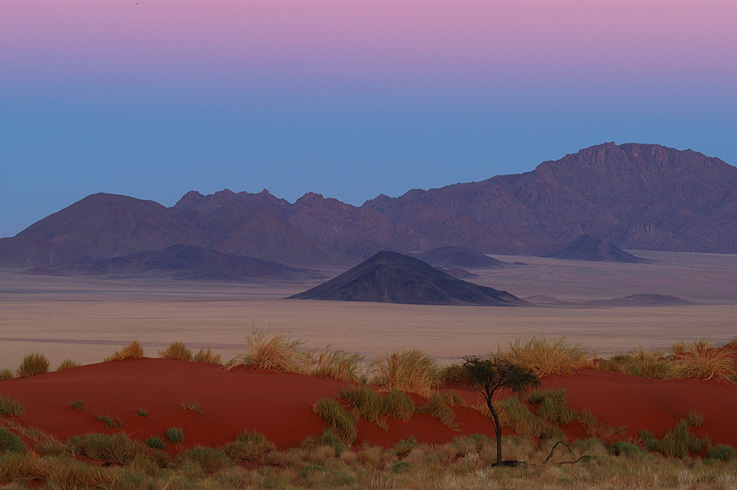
(389, 277)
(589, 248)
(643, 300)
(180, 262)
(453, 257)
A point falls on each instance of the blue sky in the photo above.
(349, 99)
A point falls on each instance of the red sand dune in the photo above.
(280, 404)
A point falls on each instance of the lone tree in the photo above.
(486, 375)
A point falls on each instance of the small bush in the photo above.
(10, 408)
(32, 365)
(6, 374)
(192, 407)
(524, 423)
(327, 438)
(174, 435)
(207, 356)
(695, 419)
(249, 446)
(268, 351)
(155, 442)
(553, 406)
(334, 414)
(405, 446)
(77, 405)
(130, 351)
(142, 413)
(9, 442)
(722, 452)
(407, 370)
(108, 420)
(209, 459)
(116, 448)
(398, 404)
(337, 364)
(178, 351)
(367, 403)
(66, 364)
(543, 356)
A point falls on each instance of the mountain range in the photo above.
(634, 196)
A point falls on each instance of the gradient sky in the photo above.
(346, 98)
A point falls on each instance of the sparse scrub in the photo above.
(272, 351)
(177, 351)
(641, 363)
(403, 447)
(407, 370)
(192, 407)
(339, 419)
(130, 351)
(155, 442)
(107, 420)
(677, 442)
(327, 438)
(10, 408)
(438, 408)
(209, 459)
(32, 365)
(10, 442)
(249, 446)
(695, 419)
(723, 452)
(174, 434)
(77, 405)
(543, 356)
(337, 364)
(207, 356)
(116, 448)
(553, 406)
(142, 413)
(524, 423)
(66, 364)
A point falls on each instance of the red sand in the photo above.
(279, 405)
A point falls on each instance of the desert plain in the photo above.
(86, 318)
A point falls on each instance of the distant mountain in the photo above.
(589, 248)
(459, 257)
(179, 262)
(643, 300)
(389, 277)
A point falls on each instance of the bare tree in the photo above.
(487, 375)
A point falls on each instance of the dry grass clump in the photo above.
(6, 374)
(543, 356)
(116, 448)
(66, 364)
(337, 364)
(203, 355)
(130, 351)
(641, 363)
(439, 408)
(702, 361)
(272, 351)
(407, 370)
(177, 351)
(32, 365)
(249, 446)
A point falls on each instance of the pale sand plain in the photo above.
(86, 319)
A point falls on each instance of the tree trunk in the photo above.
(497, 431)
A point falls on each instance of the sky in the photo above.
(350, 99)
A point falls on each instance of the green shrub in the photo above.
(66, 364)
(398, 404)
(334, 414)
(177, 351)
(10, 408)
(116, 448)
(248, 446)
(108, 420)
(623, 447)
(207, 356)
(142, 413)
(695, 419)
(77, 405)
(32, 365)
(367, 403)
(155, 442)
(174, 434)
(209, 459)
(722, 452)
(524, 423)
(438, 408)
(9, 442)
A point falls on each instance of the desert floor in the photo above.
(87, 319)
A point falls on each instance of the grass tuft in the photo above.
(155, 442)
(641, 363)
(174, 434)
(524, 423)
(439, 408)
(211, 460)
(130, 351)
(723, 452)
(32, 365)
(398, 404)
(339, 419)
(337, 364)
(9, 442)
(249, 446)
(701, 361)
(553, 406)
(116, 448)
(272, 351)
(177, 351)
(367, 403)
(6, 374)
(142, 413)
(10, 408)
(66, 364)
(77, 405)
(192, 407)
(543, 356)
(407, 370)
(207, 356)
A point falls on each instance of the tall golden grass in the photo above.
(272, 351)
(646, 364)
(130, 351)
(543, 356)
(337, 364)
(701, 360)
(177, 351)
(32, 365)
(407, 370)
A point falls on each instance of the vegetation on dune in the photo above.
(174, 434)
(177, 351)
(66, 364)
(203, 355)
(407, 370)
(337, 364)
(342, 421)
(248, 446)
(32, 365)
(6, 374)
(272, 351)
(130, 351)
(10, 408)
(544, 356)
